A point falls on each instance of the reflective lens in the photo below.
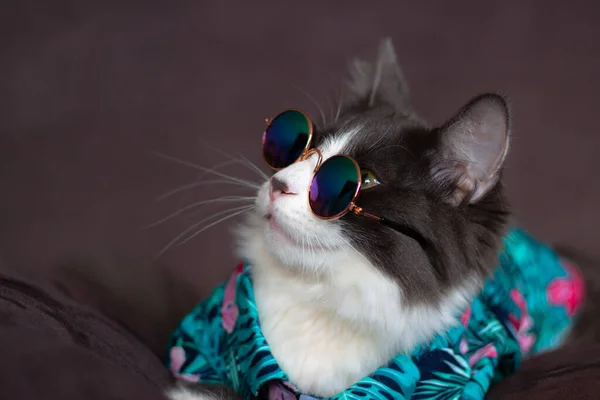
(286, 138)
(334, 187)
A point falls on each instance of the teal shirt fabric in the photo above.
(526, 307)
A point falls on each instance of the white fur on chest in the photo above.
(328, 333)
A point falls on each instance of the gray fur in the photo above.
(443, 181)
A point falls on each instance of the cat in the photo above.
(362, 292)
(338, 299)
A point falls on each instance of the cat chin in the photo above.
(260, 242)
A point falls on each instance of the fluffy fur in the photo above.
(337, 299)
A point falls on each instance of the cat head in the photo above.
(442, 181)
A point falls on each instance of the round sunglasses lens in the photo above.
(285, 139)
(333, 187)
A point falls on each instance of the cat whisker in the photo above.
(241, 160)
(324, 120)
(217, 166)
(339, 107)
(209, 170)
(224, 199)
(253, 166)
(331, 107)
(232, 212)
(196, 184)
(220, 220)
(241, 181)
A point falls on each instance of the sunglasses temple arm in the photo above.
(405, 230)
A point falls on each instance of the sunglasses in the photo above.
(336, 182)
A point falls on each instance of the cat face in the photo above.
(441, 181)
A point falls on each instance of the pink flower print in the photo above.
(522, 326)
(230, 313)
(464, 319)
(229, 308)
(277, 391)
(177, 355)
(526, 341)
(568, 291)
(466, 316)
(464, 346)
(489, 350)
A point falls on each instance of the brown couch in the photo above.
(89, 89)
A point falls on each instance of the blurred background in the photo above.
(89, 89)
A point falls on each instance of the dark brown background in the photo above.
(88, 89)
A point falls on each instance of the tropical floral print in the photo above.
(177, 355)
(523, 324)
(524, 308)
(567, 291)
(229, 309)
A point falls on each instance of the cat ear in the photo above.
(474, 144)
(380, 83)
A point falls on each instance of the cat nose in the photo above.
(278, 187)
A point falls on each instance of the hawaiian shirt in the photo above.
(526, 307)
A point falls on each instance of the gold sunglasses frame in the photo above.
(306, 153)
